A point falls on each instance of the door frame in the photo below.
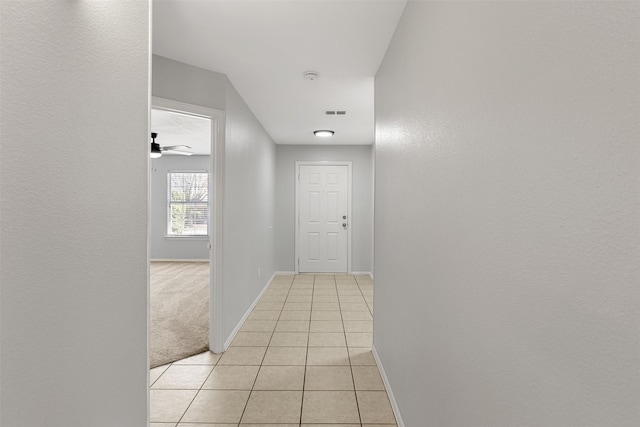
(347, 163)
(216, 196)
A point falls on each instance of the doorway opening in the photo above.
(185, 235)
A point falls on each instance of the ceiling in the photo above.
(182, 129)
(265, 46)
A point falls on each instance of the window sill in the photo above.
(186, 237)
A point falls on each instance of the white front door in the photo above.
(323, 205)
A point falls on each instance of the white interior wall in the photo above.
(506, 221)
(362, 223)
(192, 85)
(73, 216)
(249, 209)
(160, 246)
(249, 182)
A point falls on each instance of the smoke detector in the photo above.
(310, 75)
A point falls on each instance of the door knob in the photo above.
(344, 224)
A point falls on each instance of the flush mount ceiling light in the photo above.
(323, 133)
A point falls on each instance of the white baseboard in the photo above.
(367, 273)
(179, 260)
(288, 273)
(385, 380)
(235, 331)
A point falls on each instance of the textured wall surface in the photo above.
(506, 220)
(73, 217)
(249, 179)
(178, 81)
(161, 247)
(361, 226)
(250, 160)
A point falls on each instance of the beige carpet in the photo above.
(179, 311)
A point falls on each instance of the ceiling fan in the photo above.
(157, 150)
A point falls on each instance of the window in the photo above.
(188, 204)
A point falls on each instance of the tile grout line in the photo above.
(375, 361)
(306, 358)
(163, 372)
(264, 355)
(365, 301)
(197, 393)
(353, 379)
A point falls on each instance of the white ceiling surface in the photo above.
(265, 46)
(181, 129)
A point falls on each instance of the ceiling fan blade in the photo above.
(182, 153)
(175, 147)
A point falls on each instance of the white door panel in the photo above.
(323, 196)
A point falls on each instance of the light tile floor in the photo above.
(302, 358)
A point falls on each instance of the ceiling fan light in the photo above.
(155, 150)
(323, 133)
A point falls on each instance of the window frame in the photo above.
(168, 233)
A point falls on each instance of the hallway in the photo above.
(302, 358)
